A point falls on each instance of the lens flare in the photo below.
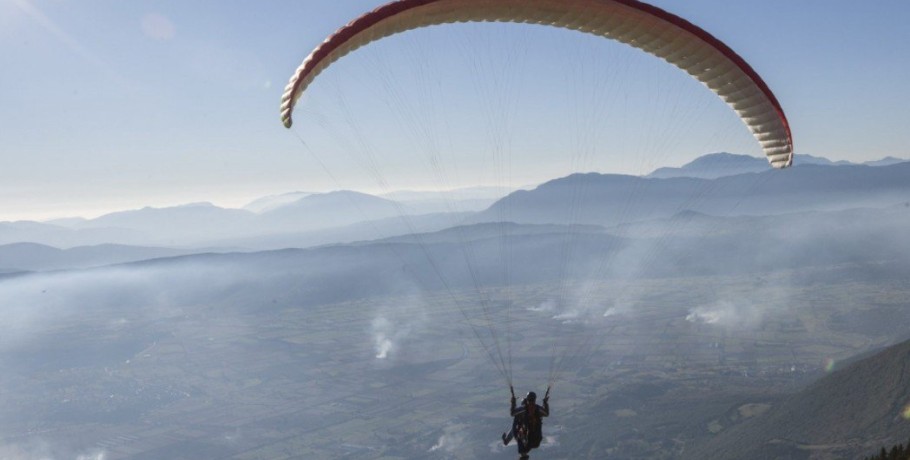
(829, 364)
(906, 412)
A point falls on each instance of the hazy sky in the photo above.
(118, 105)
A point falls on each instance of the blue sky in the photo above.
(118, 105)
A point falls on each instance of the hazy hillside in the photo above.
(359, 231)
(459, 234)
(538, 253)
(848, 414)
(38, 257)
(685, 241)
(64, 237)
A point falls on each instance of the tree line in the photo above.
(897, 452)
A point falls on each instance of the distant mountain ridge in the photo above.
(268, 203)
(714, 165)
(331, 209)
(611, 199)
(295, 218)
(174, 223)
(887, 161)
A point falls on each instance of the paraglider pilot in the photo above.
(527, 423)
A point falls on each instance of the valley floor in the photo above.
(650, 367)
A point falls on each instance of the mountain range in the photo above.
(715, 184)
(609, 199)
(714, 165)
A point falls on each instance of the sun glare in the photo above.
(53, 29)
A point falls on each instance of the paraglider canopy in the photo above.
(634, 23)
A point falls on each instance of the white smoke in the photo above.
(704, 315)
(584, 313)
(561, 313)
(394, 324)
(383, 331)
(568, 316)
(621, 302)
(588, 302)
(39, 302)
(452, 438)
(545, 306)
(38, 449)
(735, 315)
(96, 455)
